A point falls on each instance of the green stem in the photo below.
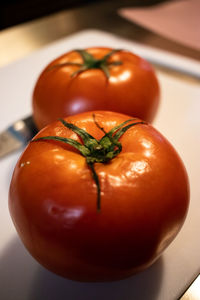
(90, 62)
(96, 179)
(97, 124)
(96, 151)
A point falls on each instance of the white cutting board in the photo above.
(178, 118)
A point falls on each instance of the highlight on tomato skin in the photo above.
(144, 196)
(97, 78)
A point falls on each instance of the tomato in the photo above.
(96, 79)
(53, 199)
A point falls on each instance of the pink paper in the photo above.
(176, 20)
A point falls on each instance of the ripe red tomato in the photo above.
(109, 80)
(144, 197)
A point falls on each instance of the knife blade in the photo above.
(193, 291)
(17, 135)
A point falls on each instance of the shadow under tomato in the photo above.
(144, 285)
(17, 271)
(22, 278)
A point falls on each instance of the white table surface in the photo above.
(178, 118)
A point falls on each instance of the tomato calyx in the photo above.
(96, 151)
(90, 62)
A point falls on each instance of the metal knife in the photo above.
(17, 136)
(193, 292)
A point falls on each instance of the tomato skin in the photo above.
(144, 201)
(132, 88)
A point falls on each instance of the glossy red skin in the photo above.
(144, 202)
(132, 88)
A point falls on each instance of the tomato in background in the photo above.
(144, 199)
(96, 79)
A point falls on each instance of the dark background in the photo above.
(14, 12)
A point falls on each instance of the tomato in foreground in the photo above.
(96, 79)
(143, 196)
